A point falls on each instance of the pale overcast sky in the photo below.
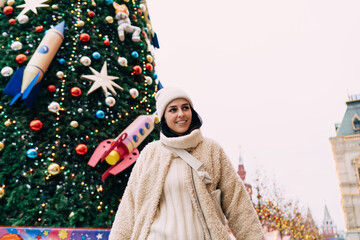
(269, 75)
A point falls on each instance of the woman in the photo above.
(166, 198)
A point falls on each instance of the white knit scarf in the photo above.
(178, 146)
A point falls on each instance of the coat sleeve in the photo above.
(237, 206)
(123, 224)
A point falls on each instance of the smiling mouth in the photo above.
(181, 122)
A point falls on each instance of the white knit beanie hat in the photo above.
(166, 95)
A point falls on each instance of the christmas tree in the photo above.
(73, 74)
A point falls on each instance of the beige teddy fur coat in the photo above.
(142, 195)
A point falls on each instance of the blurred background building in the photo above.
(346, 151)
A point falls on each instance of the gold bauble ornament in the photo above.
(53, 169)
(80, 23)
(109, 19)
(2, 192)
(149, 58)
(7, 123)
(10, 2)
(74, 124)
(149, 27)
(54, 6)
(2, 145)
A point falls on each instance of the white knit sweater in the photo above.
(176, 218)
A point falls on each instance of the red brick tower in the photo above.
(328, 227)
(242, 174)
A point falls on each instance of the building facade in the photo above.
(346, 151)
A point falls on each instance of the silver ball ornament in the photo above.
(110, 101)
(148, 80)
(142, 7)
(60, 74)
(86, 61)
(54, 107)
(7, 71)
(16, 45)
(134, 92)
(122, 61)
(23, 19)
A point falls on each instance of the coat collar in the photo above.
(188, 141)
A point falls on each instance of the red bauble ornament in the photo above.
(36, 125)
(81, 149)
(143, 33)
(133, 16)
(84, 37)
(51, 88)
(12, 21)
(8, 10)
(140, 11)
(75, 92)
(107, 42)
(91, 13)
(137, 69)
(21, 58)
(39, 28)
(149, 67)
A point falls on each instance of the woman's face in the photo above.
(178, 115)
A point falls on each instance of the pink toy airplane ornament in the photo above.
(122, 151)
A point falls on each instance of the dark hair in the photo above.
(196, 123)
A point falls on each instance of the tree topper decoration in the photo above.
(32, 5)
(102, 80)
